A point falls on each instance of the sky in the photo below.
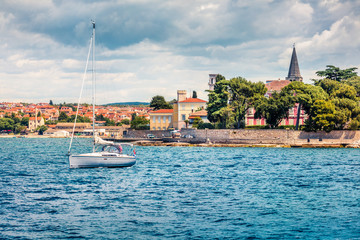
(146, 48)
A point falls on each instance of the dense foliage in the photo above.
(158, 102)
(334, 73)
(331, 103)
(13, 124)
(140, 123)
(63, 117)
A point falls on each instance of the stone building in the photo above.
(161, 119)
(212, 81)
(35, 122)
(184, 107)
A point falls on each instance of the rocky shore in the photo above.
(184, 144)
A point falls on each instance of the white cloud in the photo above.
(149, 48)
(289, 18)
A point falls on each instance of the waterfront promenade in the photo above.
(234, 138)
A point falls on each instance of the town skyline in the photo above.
(148, 48)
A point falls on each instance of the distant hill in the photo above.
(129, 103)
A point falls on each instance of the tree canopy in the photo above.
(243, 95)
(217, 106)
(331, 103)
(337, 74)
(140, 123)
(275, 108)
(158, 102)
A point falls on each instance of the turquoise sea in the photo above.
(180, 193)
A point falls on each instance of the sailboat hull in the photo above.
(95, 160)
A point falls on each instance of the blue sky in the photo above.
(147, 48)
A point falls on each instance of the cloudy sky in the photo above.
(154, 47)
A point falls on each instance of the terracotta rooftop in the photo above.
(193, 100)
(201, 113)
(163, 111)
(276, 85)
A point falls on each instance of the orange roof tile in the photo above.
(193, 100)
(163, 111)
(276, 85)
(200, 113)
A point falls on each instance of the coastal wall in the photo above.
(257, 136)
(143, 133)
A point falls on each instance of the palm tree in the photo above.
(187, 123)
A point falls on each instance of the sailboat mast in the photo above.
(93, 84)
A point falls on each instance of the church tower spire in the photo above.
(294, 70)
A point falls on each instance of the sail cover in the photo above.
(99, 140)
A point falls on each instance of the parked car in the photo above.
(150, 136)
(175, 134)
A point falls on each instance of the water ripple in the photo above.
(181, 193)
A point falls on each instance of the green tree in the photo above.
(226, 118)
(80, 119)
(158, 102)
(24, 121)
(197, 121)
(6, 124)
(18, 128)
(206, 125)
(63, 117)
(354, 82)
(337, 74)
(344, 97)
(323, 116)
(218, 99)
(108, 122)
(243, 95)
(275, 108)
(305, 96)
(41, 129)
(125, 121)
(337, 89)
(51, 103)
(186, 123)
(140, 123)
(194, 95)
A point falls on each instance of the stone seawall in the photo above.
(143, 133)
(256, 136)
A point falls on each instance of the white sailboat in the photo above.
(105, 153)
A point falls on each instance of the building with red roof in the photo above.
(161, 119)
(184, 107)
(276, 86)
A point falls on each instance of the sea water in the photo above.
(180, 193)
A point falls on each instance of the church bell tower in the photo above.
(294, 70)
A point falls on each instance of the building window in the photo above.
(183, 107)
(169, 119)
(154, 119)
(154, 128)
(159, 128)
(159, 119)
(183, 117)
(164, 128)
(164, 119)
